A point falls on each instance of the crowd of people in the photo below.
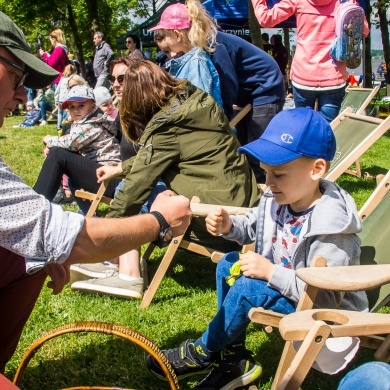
(161, 134)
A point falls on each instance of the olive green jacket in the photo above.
(190, 146)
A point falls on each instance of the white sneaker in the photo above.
(92, 270)
(112, 285)
(43, 123)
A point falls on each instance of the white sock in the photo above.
(127, 277)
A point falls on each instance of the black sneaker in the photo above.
(232, 372)
(183, 360)
(61, 198)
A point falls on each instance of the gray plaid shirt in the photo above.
(31, 226)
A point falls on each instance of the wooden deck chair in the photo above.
(358, 99)
(354, 133)
(373, 276)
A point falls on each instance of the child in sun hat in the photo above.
(104, 101)
(90, 144)
(300, 216)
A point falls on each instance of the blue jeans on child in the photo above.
(329, 101)
(230, 323)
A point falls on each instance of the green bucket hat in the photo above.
(40, 75)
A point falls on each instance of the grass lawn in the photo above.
(182, 307)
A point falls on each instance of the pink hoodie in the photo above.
(311, 65)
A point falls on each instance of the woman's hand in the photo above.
(41, 52)
(108, 172)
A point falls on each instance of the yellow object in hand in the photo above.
(235, 273)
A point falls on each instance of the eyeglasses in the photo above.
(19, 80)
(120, 79)
(129, 42)
(158, 37)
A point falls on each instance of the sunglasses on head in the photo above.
(120, 79)
(158, 37)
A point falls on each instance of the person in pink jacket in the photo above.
(314, 75)
(58, 57)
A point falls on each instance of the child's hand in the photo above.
(218, 222)
(46, 139)
(46, 151)
(256, 266)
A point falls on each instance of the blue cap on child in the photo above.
(292, 134)
(78, 93)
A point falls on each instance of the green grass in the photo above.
(182, 307)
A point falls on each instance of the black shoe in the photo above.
(183, 360)
(232, 372)
(61, 198)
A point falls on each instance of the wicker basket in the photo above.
(106, 328)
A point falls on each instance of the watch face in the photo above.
(167, 235)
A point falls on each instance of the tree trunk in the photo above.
(76, 37)
(384, 27)
(94, 20)
(367, 63)
(254, 26)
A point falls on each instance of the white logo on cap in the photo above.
(287, 138)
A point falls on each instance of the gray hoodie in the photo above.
(331, 233)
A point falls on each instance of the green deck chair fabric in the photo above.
(375, 248)
(358, 99)
(354, 135)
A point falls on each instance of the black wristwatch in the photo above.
(166, 231)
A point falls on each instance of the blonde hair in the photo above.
(58, 35)
(79, 80)
(69, 70)
(203, 30)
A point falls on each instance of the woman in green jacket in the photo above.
(183, 138)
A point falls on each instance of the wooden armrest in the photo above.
(265, 317)
(90, 196)
(347, 278)
(202, 209)
(342, 323)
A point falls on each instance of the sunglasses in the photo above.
(158, 37)
(129, 42)
(19, 80)
(120, 79)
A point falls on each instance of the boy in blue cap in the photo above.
(300, 216)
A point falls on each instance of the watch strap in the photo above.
(161, 220)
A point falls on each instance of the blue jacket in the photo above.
(247, 73)
(196, 66)
(33, 116)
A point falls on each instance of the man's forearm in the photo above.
(100, 239)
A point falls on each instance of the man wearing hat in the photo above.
(37, 238)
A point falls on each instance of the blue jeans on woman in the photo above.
(369, 376)
(329, 101)
(230, 323)
(44, 106)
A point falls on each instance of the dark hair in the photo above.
(265, 37)
(277, 39)
(146, 89)
(121, 60)
(135, 39)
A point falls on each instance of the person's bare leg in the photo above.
(129, 263)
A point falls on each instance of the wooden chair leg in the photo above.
(294, 371)
(161, 271)
(383, 352)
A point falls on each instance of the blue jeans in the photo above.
(369, 376)
(44, 106)
(61, 115)
(230, 323)
(329, 102)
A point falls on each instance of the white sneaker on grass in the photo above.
(112, 285)
(92, 270)
(43, 123)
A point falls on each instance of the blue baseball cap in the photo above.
(292, 134)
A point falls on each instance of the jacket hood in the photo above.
(63, 46)
(337, 206)
(191, 109)
(320, 3)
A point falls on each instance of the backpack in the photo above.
(349, 21)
